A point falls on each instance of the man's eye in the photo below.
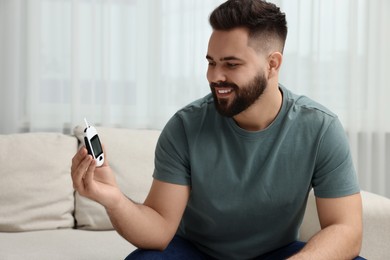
(232, 65)
(211, 63)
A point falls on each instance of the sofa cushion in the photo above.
(130, 154)
(36, 190)
(64, 244)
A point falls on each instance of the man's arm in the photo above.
(151, 225)
(341, 230)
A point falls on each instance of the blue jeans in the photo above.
(182, 249)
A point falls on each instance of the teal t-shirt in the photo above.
(249, 189)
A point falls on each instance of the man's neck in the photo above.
(263, 112)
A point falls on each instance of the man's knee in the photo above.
(140, 254)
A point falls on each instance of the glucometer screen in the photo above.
(97, 148)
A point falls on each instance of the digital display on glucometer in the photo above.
(96, 146)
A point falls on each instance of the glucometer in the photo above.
(92, 143)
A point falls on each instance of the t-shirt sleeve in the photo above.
(171, 155)
(334, 175)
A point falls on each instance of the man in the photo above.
(233, 170)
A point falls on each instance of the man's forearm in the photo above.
(139, 224)
(333, 242)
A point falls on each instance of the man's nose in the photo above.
(216, 75)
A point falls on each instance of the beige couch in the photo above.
(41, 217)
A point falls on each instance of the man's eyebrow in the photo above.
(230, 58)
(225, 58)
(209, 57)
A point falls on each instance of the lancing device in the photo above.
(92, 143)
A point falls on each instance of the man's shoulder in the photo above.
(306, 105)
(193, 115)
(198, 105)
(197, 108)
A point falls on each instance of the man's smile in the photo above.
(223, 92)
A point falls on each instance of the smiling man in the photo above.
(233, 170)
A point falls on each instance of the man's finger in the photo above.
(79, 173)
(78, 157)
(89, 175)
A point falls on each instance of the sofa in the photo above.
(42, 217)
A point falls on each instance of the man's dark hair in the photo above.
(264, 20)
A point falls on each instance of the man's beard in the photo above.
(245, 96)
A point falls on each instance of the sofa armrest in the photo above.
(310, 224)
(376, 224)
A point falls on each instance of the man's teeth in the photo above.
(224, 91)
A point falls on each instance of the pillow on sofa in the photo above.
(130, 154)
(36, 189)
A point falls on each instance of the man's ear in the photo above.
(274, 62)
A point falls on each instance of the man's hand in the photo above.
(149, 225)
(96, 183)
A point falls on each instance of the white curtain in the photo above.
(133, 63)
